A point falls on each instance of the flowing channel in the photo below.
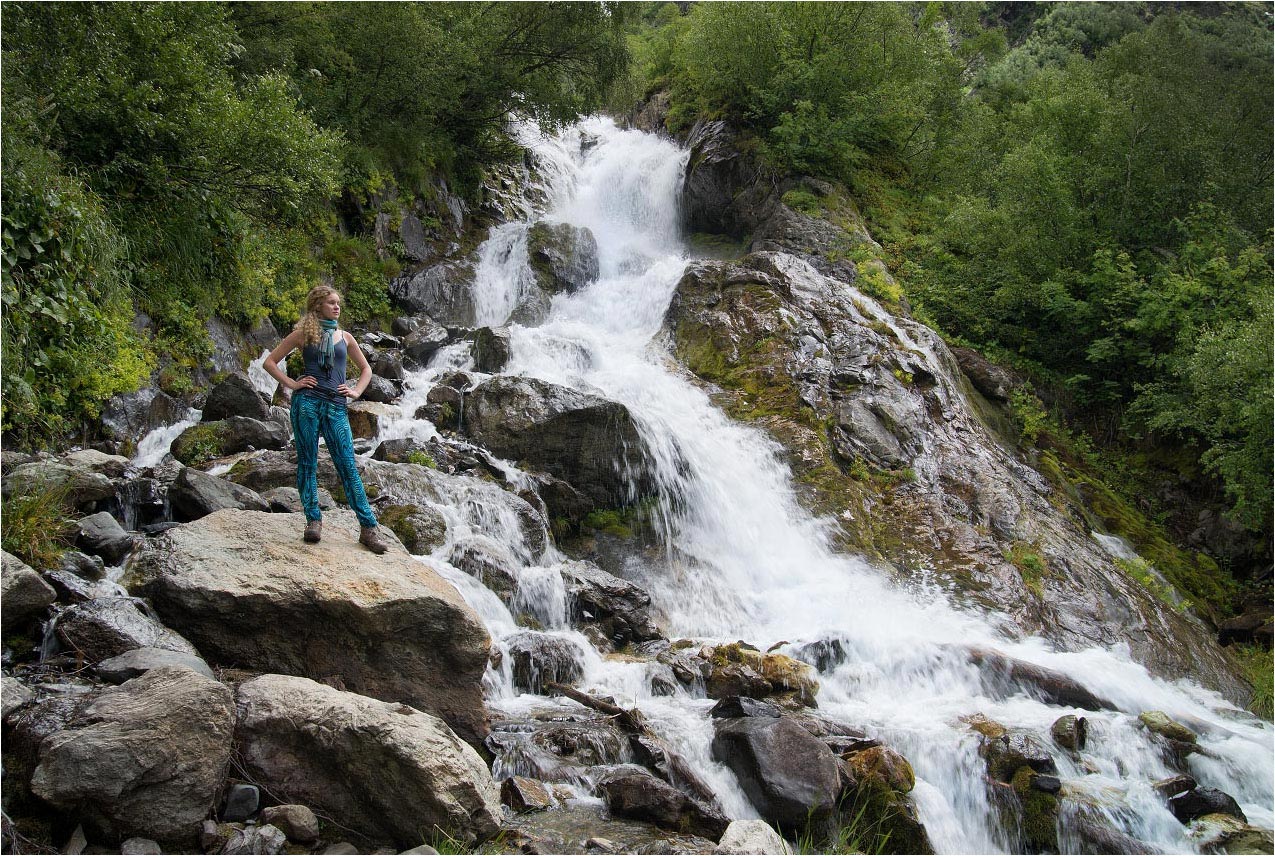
(744, 561)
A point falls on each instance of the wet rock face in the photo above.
(195, 494)
(790, 776)
(716, 172)
(248, 592)
(540, 659)
(563, 257)
(588, 441)
(885, 436)
(621, 609)
(132, 415)
(631, 791)
(383, 768)
(146, 758)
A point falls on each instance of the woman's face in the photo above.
(330, 308)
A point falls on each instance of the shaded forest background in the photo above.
(1081, 191)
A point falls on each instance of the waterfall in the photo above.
(745, 561)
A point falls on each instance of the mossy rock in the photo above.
(1159, 722)
(420, 528)
(198, 444)
(1038, 813)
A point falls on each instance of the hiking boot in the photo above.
(313, 531)
(370, 538)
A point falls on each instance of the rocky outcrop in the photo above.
(583, 439)
(564, 258)
(144, 759)
(109, 626)
(384, 768)
(715, 174)
(24, 594)
(131, 416)
(441, 291)
(249, 593)
(885, 436)
(101, 535)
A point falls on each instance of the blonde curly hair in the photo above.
(309, 323)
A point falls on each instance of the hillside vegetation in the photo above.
(1082, 191)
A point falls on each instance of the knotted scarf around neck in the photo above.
(327, 343)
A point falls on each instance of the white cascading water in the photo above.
(745, 561)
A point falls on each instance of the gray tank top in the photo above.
(329, 379)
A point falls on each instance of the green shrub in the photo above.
(36, 526)
(421, 459)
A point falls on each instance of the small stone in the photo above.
(297, 822)
(241, 803)
(76, 844)
(423, 849)
(600, 845)
(1070, 732)
(13, 695)
(1047, 784)
(1159, 723)
(140, 847)
(256, 840)
(1173, 786)
(524, 794)
(341, 848)
(1195, 803)
(210, 837)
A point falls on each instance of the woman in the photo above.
(319, 397)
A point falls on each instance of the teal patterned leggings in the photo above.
(312, 416)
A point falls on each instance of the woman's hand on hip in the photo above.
(305, 382)
(348, 391)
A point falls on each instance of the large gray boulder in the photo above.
(139, 661)
(540, 659)
(80, 483)
(24, 595)
(621, 609)
(235, 396)
(194, 494)
(790, 776)
(586, 440)
(250, 593)
(106, 627)
(385, 769)
(101, 535)
(228, 436)
(143, 759)
(442, 291)
(564, 258)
